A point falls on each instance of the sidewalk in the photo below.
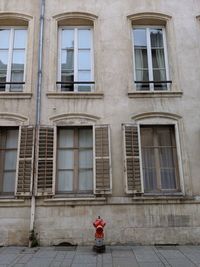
(115, 256)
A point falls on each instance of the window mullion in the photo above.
(149, 56)
(10, 55)
(76, 59)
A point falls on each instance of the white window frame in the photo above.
(75, 28)
(149, 55)
(178, 150)
(55, 177)
(10, 54)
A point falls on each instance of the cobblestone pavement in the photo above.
(115, 256)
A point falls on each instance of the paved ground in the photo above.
(115, 256)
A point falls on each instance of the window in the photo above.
(75, 160)
(151, 159)
(76, 62)
(159, 158)
(8, 157)
(150, 54)
(12, 58)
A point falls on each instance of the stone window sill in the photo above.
(72, 201)
(155, 94)
(73, 95)
(15, 95)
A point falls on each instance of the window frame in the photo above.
(75, 28)
(149, 57)
(10, 56)
(75, 190)
(2, 161)
(178, 151)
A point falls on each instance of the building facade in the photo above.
(100, 116)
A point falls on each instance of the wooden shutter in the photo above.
(132, 160)
(45, 161)
(24, 174)
(102, 160)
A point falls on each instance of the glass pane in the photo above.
(10, 160)
(18, 60)
(9, 182)
(166, 158)
(67, 76)
(84, 60)
(159, 75)
(85, 159)
(146, 136)
(156, 37)
(149, 180)
(85, 137)
(140, 39)
(20, 38)
(65, 138)
(84, 38)
(165, 136)
(168, 180)
(3, 59)
(65, 181)
(84, 76)
(65, 159)
(4, 38)
(67, 39)
(158, 58)
(142, 75)
(3, 80)
(12, 139)
(85, 180)
(141, 59)
(67, 59)
(17, 76)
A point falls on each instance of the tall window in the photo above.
(75, 66)
(159, 159)
(8, 156)
(12, 58)
(151, 70)
(75, 160)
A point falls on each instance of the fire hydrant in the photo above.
(99, 235)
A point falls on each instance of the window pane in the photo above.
(150, 183)
(85, 159)
(158, 58)
(85, 180)
(67, 76)
(85, 138)
(142, 75)
(84, 38)
(159, 75)
(10, 160)
(12, 139)
(140, 39)
(2, 79)
(141, 59)
(20, 38)
(65, 138)
(67, 39)
(65, 159)
(3, 59)
(9, 182)
(18, 60)
(4, 38)
(67, 59)
(168, 179)
(84, 60)
(65, 181)
(156, 37)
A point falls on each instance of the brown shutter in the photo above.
(102, 158)
(24, 174)
(45, 166)
(132, 159)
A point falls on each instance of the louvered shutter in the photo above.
(102, 160)
(132, 159)
(24, 173)
(45, 161)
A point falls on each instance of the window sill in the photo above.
(10, 201)
(155, 94)
(15, 95)
(73, 95)
(71, 201)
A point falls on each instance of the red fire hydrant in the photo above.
(99, 224)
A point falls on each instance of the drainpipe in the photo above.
(38, 103)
